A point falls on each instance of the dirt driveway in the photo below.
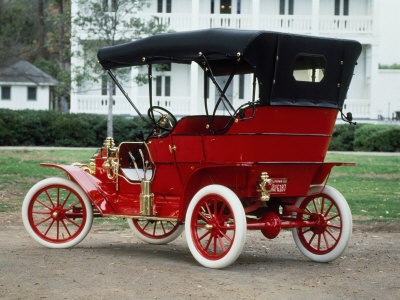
(116, 265)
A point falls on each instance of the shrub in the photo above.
(377, 138)
(50, 128)
(343, 137)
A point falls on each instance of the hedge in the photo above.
(50, 128)
(365, 137)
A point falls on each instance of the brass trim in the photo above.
(150, 218)
(262, 189)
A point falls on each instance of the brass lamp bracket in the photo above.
(264, 187)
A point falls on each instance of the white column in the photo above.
(376, 106)
(195, 14)
(315, 17)
(256, 15)
(194, 88)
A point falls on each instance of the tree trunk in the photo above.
(110, 108)
(64, 102)
(41, 28)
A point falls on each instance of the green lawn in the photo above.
(372, 188)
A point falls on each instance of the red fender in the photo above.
(89, 184)
(325, 170)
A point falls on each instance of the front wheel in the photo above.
(56, 213)
(327, 240)
(156, 232)
(215, 226)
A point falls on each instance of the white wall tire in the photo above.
(57, 213)
(326, 242)
(215, 226)
(156, 232)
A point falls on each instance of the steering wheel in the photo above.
(166, 121)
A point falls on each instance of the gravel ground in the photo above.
(115, 264)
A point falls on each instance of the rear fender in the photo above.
(326, 169)
(212, 175)
(89, 184)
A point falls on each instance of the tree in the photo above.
(107, 23)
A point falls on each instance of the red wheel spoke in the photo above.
(331, 234)
(43, 221)
(58, 228)
(221, 243)
(162, 226)
(72, 205)
(309, 229)
(48, 228)
(173, 225)
(204, 217)
(62, 205)
(319, 242)
(215, 245)
(322, 205)
(204, 235)
(37, 200)
(326, 241)
(215, 208)
(66, 228)
(315, 206)
(69, 220)
(155, 227)
(208, 210)
(221, 211)
(313, 236)
(58, 200)
(329, 209)
(144, 227)
(227, 237)
(48, 196)
(308, 211)
(333, 217)
(42, 212)
(334, 226)
(209, 242)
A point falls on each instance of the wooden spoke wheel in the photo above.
(215, 226)
(329, 237)
(56, 213)
(156, 232)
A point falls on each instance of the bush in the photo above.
(365, 137)
(343, 138)
(50, 128)
(377, 138)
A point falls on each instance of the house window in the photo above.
(5, 93)
(110, 5)
(341, 7)
(241, 86)
(32, 93)
(286, 7)
(225, 7)
(163, 84)
(164, 3)
(104, 86)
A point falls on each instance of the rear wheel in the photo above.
(156, 232)
(215, 226)
(56, 213)
(328, 239)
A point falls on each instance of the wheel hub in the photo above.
(58, 213)
(321, 225)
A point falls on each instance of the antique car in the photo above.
(259, 166)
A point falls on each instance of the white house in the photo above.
(180, 87)
(24, 86)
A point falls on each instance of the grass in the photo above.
(372, 188)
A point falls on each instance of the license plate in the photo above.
(279, 185)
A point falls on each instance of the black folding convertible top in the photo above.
(270, 55)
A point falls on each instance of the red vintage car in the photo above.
(259, 166)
